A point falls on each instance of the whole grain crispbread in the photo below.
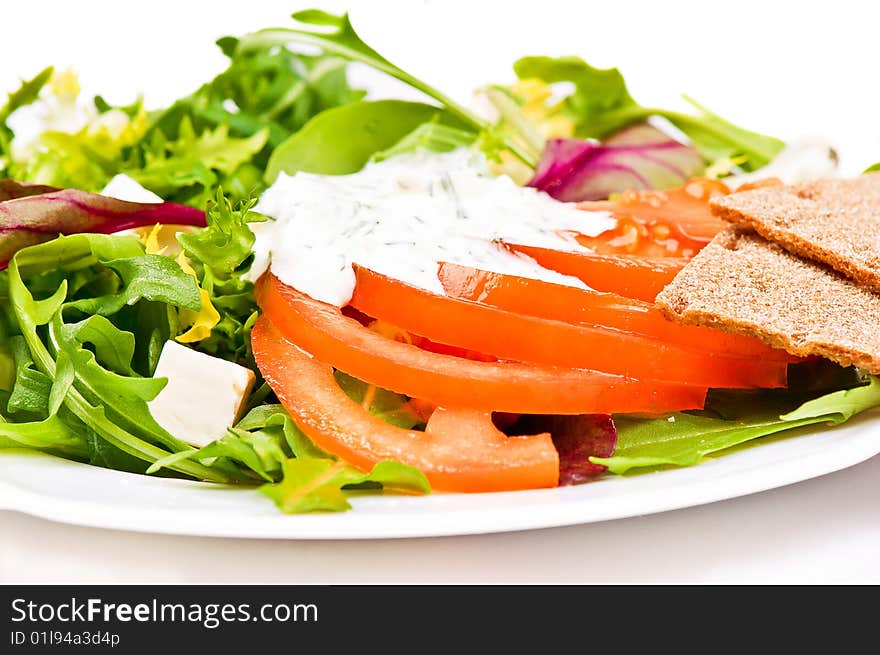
(742, 283)
(834, 221)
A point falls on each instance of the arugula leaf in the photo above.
(265, 88)
(272, 417)
(340, 141)
(124, 397)
(30, 391)
(683, 439)
(103, 453)
(601, 105)
(152, 277)
(316, 485)
(871, 169)
(341, 39)
(59, 434)
(79, 383)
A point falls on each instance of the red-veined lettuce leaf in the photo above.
(31, 214)
(576, 438)
(637, 157)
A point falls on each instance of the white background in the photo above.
(785, 68)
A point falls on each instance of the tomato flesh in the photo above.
(669, 223)
(641, 278)
(323, 331)
(460, 450)
(527, 338)
(558, 302)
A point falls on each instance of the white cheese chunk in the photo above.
(122, 187)
(204, 394)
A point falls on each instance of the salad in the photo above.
(279, 283)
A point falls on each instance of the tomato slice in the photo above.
(641, 278)
(325, 332)
(669, 223)
(460, 450)
(525, 338)
(558, 302)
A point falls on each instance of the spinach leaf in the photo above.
(340, 141)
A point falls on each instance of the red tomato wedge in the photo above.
(641, 278)
(448, 381)
(460, 450)
(558, 302)
(524, 338)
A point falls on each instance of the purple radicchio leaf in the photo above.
(31, 214)
(637, 157)
(577, 438)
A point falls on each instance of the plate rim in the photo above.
(561, 506)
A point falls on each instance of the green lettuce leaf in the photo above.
(389, 406)
(316, 485)
(335, 34)
(432, 136)
(683, 439)
(601, 105)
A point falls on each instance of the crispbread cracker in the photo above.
(742, 283)
(833, 221)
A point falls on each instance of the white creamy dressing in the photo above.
(402, 216)
(799, 161)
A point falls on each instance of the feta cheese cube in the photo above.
(122, 187)
(204, 395)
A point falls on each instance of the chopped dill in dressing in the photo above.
(402, 216)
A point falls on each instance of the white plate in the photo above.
(65, 491)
